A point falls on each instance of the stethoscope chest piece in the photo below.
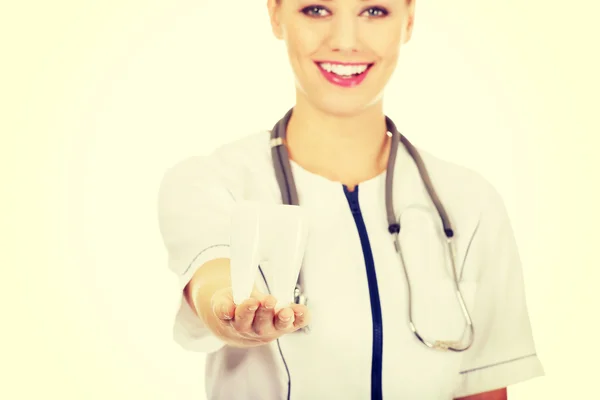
(299, 297)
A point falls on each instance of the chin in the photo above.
(342, 109)
(344, 105)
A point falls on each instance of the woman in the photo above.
(360, 346)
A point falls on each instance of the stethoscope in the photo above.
(285, 179)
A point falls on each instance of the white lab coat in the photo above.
(334, 361)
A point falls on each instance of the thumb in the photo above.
(223, 306)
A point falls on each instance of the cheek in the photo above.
(392, 52)
(302, 41)
(386, 45)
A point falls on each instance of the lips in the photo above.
(346, 75)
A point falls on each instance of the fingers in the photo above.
(292, 318)
(226, 310)
(301, 316)
(284, 319)
(263, 319)
(244, 315)
(256, 317)
(223, 308)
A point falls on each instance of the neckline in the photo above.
(303, 174)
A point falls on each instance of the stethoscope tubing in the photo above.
(289, 195)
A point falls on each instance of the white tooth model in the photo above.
(244, 249)
(272, 233)
(284, 232)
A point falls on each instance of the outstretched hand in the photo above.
(255, 320)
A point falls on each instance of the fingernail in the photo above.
(285, 319)
(253, 308)
(225, 312)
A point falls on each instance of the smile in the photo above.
(344, 74)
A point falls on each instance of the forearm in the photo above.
(208, 279)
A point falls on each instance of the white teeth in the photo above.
(344, 70)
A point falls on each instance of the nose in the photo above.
(344, 33)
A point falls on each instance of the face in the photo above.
(342, 52)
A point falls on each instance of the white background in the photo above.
(99, 98)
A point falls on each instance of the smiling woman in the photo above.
(352, 44)
(337, 155)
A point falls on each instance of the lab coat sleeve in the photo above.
(194, 205)
(503, 351)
